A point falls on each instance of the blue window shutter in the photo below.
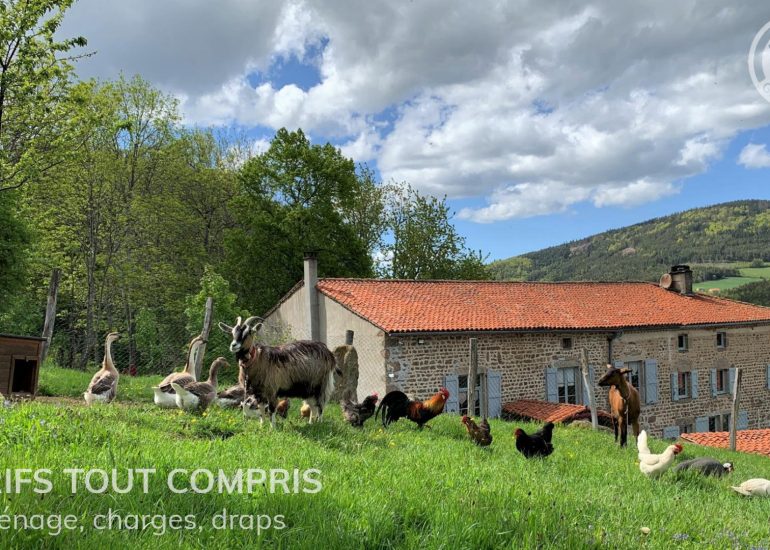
(702, 424)
(671, 432)
(591, 384)
(713, 382)
(650, 381)
(731, 382)
(694, 384)
(768, 377)
(452, 384)
(674, 386)
(551, 388)
(618, 364)
(494, 393)
(743, 420)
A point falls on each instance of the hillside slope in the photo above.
(382, 488)
(728, 232)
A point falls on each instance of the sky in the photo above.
(541, 122)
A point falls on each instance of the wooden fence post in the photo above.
(734, 416)
(472, 373)
(50, 313)
(205, 336)
(589, 388)
(349, 337)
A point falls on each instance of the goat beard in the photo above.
(244, 356)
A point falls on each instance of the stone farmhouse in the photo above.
(682, 348)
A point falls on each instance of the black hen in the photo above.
(358, 413)
(536, 445)
(706, 466)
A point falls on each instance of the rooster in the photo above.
(536, 445)
(480, 434)
(654, 465)
(397, 405)
(358, 413)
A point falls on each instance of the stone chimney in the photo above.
(311, 295)
(681, 279)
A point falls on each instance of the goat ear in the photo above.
(609, 367)
(225, 328)
(625, 371)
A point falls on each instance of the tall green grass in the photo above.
(394, 488)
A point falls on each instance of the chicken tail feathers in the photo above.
(741, 490)
(394, 405)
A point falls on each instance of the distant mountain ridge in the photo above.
(722, 233)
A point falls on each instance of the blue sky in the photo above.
(542, 122)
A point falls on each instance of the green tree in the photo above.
(295, 197)
(35, 90)
(225, 304)
(424, 244)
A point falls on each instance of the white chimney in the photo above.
(311, 295)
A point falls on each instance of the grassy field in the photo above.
(724, 284)
(748, 275)
(395, 488)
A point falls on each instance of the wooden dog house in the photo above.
(19, 364)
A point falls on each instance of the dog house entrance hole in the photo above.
(23, 376)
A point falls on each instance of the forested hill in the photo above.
(728, 232)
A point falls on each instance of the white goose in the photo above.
(199, 395)
(165, 396)
(104, 384)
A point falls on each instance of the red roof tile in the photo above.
(547, 412)
(747, 441)
(434, 306)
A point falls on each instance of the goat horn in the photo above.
(225, 328)
(251, 319)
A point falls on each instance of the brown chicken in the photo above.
(397, 405)
(480, 433)
(282, 408)
(356, 414)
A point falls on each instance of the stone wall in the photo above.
(418, 364)
(747, 348)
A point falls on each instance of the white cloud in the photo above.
(534, 106)
(754, 155)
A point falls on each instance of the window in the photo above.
(567, 385)
(719, 423)
(721, 339)
(723, 377)
(685, 384)
(686, 427)
(566, 343)
(462, 394)
(681, 342)
(636, 376)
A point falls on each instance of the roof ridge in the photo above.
(481, 281)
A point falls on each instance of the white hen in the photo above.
(654, 465)
(757, 487)
(641, 444)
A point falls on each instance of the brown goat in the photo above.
(624, 402)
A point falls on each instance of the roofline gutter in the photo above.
(619, 331)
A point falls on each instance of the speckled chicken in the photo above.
(481, 433)
(356, 414)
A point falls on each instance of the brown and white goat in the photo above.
(624, 402)
(303, 369)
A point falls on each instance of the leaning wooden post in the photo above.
(349, 337)
(204, 336)
(50, 313)
(734, 415)
(484, 397)
(472, 373)
(589, 387)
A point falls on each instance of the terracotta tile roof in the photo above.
(747, 441)
(436, 306)
(544, 411)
